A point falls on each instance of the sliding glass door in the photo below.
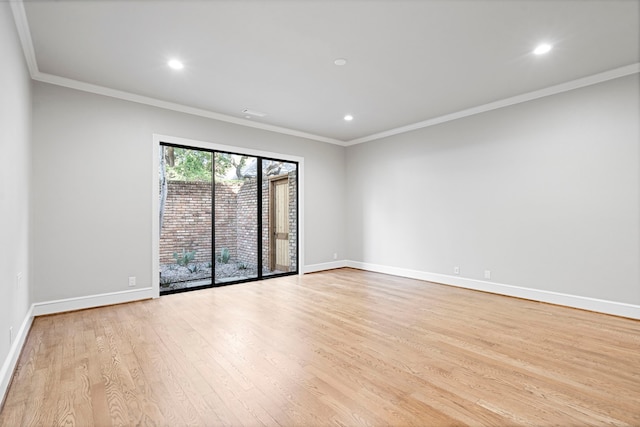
(279, 216)
(185, 218)
(225, 218)
(236, 212)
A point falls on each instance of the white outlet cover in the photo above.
(487, 274)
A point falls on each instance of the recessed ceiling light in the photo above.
(340, 61)
(541, 49)
(175, 64)
(348, 117)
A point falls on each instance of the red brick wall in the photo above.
(265, 224)
(293, 221)
(247, 222)
(187, 220)
(227, 217)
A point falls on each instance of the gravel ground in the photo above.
(174, 276)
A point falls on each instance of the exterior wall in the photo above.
(187, 220)
(247, 225)
(226, 208)
(265, 223)
(293, 224)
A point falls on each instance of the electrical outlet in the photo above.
(456, 270)
(487, 274)
(18, 279)
(10, 335)
(132, 281)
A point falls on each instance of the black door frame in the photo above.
(259, 263)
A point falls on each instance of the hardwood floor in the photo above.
(343, 347)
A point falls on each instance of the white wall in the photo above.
(15, 147)
(544, 194)
(92, 188)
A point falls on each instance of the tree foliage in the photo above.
(182, 164)
(187, 165)
(194, 165)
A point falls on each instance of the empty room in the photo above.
(320, 212)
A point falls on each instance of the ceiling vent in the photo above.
(254, 113)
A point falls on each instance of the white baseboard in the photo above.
(324, 266)
(59, 306)
(575, 301)
(90, 301)
(9, 365)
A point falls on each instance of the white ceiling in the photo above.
(409, 62)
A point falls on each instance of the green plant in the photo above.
(164, 281)
(184, 258)
(194, 268)
(242, 266)
(224, 256)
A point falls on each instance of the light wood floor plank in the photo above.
(343, 348)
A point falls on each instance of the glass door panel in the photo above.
(279, 217)
(236, 218)
(185, 218)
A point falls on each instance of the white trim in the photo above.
(24, 33)
(140, 99)
(59, 306)
(551, 90)
(155, 208)
(79, 303)
(90, 301)
(155, 217)
(324, 266)
(575, 301)
(208, 145)
(9, 365)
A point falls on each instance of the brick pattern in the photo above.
(265, 224)
(293, 224)
(227, 217)
(247, 227)
(187, 220)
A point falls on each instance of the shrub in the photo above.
(185, 258)
(224, 256)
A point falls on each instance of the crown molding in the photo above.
(551, 90)
(128, 96)
(24, 33)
